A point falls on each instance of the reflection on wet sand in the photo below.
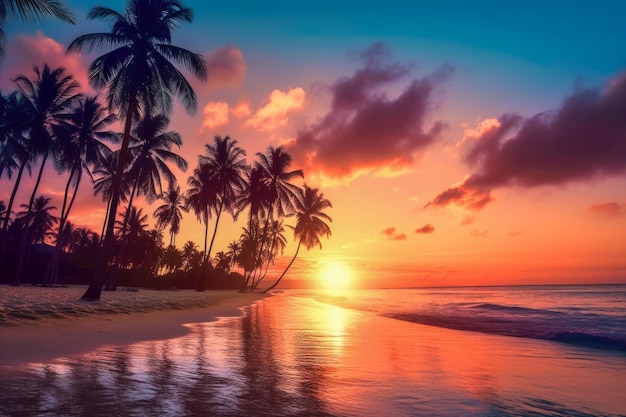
(291, 356)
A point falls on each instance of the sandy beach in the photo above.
(39, 324)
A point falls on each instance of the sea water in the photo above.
(424, 352)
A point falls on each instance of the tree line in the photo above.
(47, 120)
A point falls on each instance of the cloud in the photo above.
(366, 130)
(609, 210)
(479, 233)
(24, 52)
(226, 67)
(392, 234)
(214, 114)
(273, 114)
(584, 139)
(426, 229)
(242, 109)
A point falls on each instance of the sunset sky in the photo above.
(459, 144)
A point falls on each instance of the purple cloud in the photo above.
(582, 140)
(365, 129)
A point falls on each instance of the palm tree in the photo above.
(201, 196)
(227, 165)
(310, 223)
(276, 242)
(150, 156)
(80, 133)
(170, 213)
(103, 184)
(29, 10)
(14, 152)
(138, 74)
(275, 167)
(38, 224)
(51, 93)
(190, 251)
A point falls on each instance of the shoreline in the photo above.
(49, 338)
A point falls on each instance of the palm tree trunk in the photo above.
(217, 222)
(5, 225)
(32, 196)
(95, 288)
(286, 269)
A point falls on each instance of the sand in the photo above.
(41, 324)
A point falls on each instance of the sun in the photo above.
(335, 275)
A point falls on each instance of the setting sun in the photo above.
(335, 275)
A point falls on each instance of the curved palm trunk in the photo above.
(5, 225)
(17, 279)
(94, 291)
(51, 275)
(217, 222)
(286, 269)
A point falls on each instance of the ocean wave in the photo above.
(499, 307)
(516, 328)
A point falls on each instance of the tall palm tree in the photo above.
(138, 74)
(170, 213)
(29, 10)
(14, 151)
(200, 197)
(275, 165)
(80, 135)
(275, 243)
(227, 165)
(310, 223)
(48, 95)
(150, 155)
(103, 184)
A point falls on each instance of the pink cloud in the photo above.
(273, 114)
(426, 229)
(242, 109)
(366, 130)
(610, 210)
(392, 234)
(582, 140)
(214, 114)
(24, 52)
(226, 67)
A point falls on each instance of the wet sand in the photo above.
(41, 324)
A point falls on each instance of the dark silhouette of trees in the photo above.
(139, 76)
(310, 223)
(170, 213)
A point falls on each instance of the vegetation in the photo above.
(47, 119)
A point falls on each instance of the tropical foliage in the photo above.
(46, 123)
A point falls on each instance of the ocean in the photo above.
(501, 351)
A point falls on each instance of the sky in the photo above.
(459, 144)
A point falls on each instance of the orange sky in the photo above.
(389, 141)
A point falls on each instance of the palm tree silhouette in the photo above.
(139, 75)
(14, 150)
(227, 166)
(81, 134)
(29, 10)
(150, 155)
(310, 224)
(37, 225)
(200, 197)
(51, 93)
(170, 213)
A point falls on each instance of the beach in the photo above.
(294, 355)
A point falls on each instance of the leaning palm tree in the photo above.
(170, 213)
(29, 10)
(139, 75)
(227, 165)
(310, 222)
(201, 196)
